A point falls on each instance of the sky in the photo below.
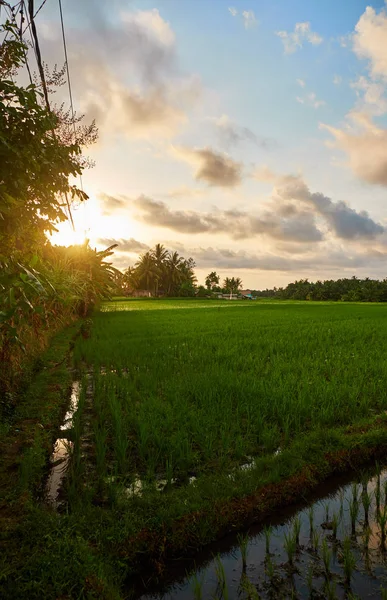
(250, 135)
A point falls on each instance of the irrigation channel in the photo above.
(332, 546)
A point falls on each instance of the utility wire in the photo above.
(37, 12)
(68, 78)
(37, 52)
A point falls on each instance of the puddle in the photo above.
(60, 457)
(340, 530)
(74, 399)
(59, 461)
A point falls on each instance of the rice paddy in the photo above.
(348, 561)
(189, 419)
(182, 388)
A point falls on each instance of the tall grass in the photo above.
(197, 386)
(243, 541)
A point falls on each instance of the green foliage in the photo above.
(212, 281)
(232, 285)
(162, 273)
(41, 287)
(346, 290)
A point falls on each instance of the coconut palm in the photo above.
(160, 255)
(173, 267)
(146, 269)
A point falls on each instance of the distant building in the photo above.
(246, 294)
(228, 296)
(141, 294)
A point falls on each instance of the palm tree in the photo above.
(232, 285)
(160, 255)
(237, 284)
(130, 280)
(146, 269)
(173, 267)
(228, 285)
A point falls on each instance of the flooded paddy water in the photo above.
(334, 547)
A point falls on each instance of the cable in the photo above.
(37, 12)
(68, 78)
(37, 52)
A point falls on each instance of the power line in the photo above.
(68, 78)
(37, 52)
(37, 12)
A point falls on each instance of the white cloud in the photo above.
(337, 79)
(301, 82)
(230, 134)
(371, 94)
(249, 18)
(363, 141)
(128, 78)
(366, 147)
(370, 40)
(311, 100)
(293, 40)
(345, 40)
(151, 22)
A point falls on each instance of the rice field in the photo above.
(334, 548)
(190, 387)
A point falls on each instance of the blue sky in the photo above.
(249, 135)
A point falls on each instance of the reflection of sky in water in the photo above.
(368, 579)
(59, 459)
(61, 452)
(74, 399)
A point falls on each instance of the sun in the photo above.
(67, 236)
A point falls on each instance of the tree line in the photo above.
(161, 272)
(346, 290)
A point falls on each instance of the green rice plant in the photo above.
(383, 592)
(309, 579)
(269, 567)
(221, 578)
(290, 545)
(243, 541)
(377, 498)
(315, 540)
(377, 488)
(342, 497)
(197, 588)
(381, 518)
(330, 589)
(297, 529)
(349, 561)
(169, 471)
(100, 436)
(311, 519)
(366, 500)
(267, 530)
(354, 509)
(335, 524)
(248, 588)
(366, 537)
(326, 506)
(326, 556)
